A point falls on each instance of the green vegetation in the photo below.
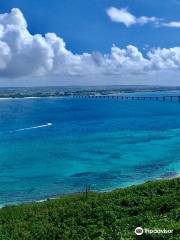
(97, 216)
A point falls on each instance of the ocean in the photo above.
(55, 146)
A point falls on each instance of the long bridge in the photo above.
(129, 97)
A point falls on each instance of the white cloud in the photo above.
(128, 19)
(121, 16)
(144, 20)
(15, 18)
(5, 55)
(165, 59)
(172, 24)
(23, 55)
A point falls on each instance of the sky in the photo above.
(97, 42)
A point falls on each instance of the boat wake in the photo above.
(30, 128)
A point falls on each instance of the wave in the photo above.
(34, 127)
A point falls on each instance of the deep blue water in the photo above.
(98, 142)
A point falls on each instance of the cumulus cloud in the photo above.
(165, 59)
(123, 16)
(25, 55)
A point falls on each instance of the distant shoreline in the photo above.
(136, 93)
(48, 92)
(15, 98)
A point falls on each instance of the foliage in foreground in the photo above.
(97, 216)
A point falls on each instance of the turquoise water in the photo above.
(50, 147)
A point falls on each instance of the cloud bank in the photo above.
(128, 19)
(25, 55)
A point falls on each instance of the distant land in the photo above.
(22, 92)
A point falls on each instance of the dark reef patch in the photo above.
(98, 179)
(149, 168)
(169, 175)
(82, 174)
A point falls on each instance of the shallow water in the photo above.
(56, 146)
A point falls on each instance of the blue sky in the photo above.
(85, 26)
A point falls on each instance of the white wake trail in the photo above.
(29, 128)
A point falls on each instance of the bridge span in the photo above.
(130, 97)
